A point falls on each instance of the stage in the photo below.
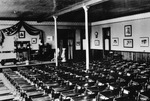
(31, 63)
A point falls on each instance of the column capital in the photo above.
(85, 7)
(55, 17)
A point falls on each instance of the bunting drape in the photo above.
(10, 31)
(2, 37)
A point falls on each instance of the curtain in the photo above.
(33, 31)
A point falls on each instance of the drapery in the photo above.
(33, 31)
(16, 28)
(2, 37)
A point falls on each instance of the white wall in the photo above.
(93, 38)
(140, 28)
(48, 31)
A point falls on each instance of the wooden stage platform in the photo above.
(31, 63)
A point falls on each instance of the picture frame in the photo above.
(97, 42)
(128, 30)
(144, 41)
(128, 43)
(34, 40)
(21, 34)
(115, 41)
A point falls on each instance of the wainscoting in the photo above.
(96, 54)
(126, 55)
(80, 55)
(134, 56)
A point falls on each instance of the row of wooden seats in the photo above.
(108, 80)
(113, 80)
(131, 77)
(83, 85)
(28, 92)
(64, 88)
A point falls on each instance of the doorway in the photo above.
(66, 39)
(106, 41)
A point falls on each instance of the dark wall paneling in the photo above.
(134, 56)
(96, 54)
(79, 55)
(126, 55)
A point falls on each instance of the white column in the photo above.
(86, 36)
(56, 47)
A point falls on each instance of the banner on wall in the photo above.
(10, 31)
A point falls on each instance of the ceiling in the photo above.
(31, 9)
(42, 10)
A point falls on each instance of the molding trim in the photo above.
(11, 22)
(122, 19)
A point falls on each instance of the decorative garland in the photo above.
(10, 31)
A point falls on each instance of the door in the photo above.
(106, 41)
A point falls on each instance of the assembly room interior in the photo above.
(74, 50)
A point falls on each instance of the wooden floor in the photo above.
(9, 92)
(31, 63)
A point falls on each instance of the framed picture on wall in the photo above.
(115, 41)
(128, 43)
(144, 41)
(128, 30)
(21, 34)
(34, 40)
(97, 42)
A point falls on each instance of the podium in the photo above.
(60, 54)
